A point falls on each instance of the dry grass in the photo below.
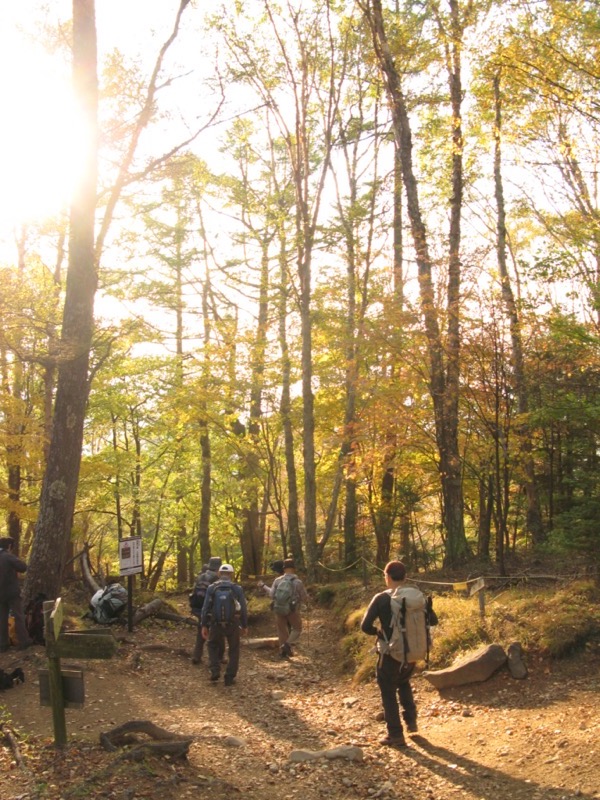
(552, 622)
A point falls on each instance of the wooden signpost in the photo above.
(478, 586)
(131, 562)
(66, 686)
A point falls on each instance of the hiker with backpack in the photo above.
(402, 640)
(277, 568)
(287, 595)
(208, 575)
(224, 619)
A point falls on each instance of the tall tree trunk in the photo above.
(59, 487)
(252, 540)
(443, 356)
(534, 515)
(205, 447)
(486, 504)
(385, 515)
(285, 407)
(117, 489)
(15, 427)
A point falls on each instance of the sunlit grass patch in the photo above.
(552, 622)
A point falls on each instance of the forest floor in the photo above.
(499, 740)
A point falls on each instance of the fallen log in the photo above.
(149, 610)
(172, 617)
(260, 644)
(164, 743)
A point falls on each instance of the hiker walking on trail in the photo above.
(277, 568)
(208, 575)
(10, 596)
(224, 619)
(396, 662)
(287, 594)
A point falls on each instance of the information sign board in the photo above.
(130, 556)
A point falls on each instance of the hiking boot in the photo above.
(286, 651)
(229, 681)
(196, 660)
(393, 741)
(412, 727)
(214, 678)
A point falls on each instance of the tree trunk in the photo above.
(444, 377)
(293, 517)
(59, 487)
(253, 532)
(534, 514)
(205, 445)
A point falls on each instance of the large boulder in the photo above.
(474, 668)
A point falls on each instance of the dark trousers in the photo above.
(199, 644)
(217, 636)
(14, 604)
(393, 679)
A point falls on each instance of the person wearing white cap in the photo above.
(224, 619)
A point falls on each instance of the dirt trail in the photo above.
(502, 740)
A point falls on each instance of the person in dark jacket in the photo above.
(230, 629)
(208, 575)
(393, 677)
(10, 596)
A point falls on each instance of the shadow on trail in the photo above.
(485, 782)
(270, 713)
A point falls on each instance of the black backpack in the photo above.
(198, 593)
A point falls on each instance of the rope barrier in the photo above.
(457, 586)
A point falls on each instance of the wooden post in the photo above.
(53, 617)
(71, 644)
(482, 602)
(479, 587)
(130, 603)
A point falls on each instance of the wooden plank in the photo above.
(72, 687)
(53, 619)
(82, 644)
(57, 616)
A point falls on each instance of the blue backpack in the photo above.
(225, 606)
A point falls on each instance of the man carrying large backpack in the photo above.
(207, 576)
(287, 595)
(224, 619)
(402, 640)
